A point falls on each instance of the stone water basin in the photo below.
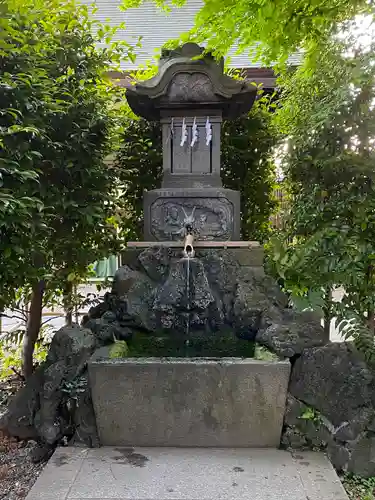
(201, 402)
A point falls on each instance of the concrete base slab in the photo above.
(186, 474)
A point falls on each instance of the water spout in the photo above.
(188, 246)
(187, 257)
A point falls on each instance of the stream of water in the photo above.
(187, 331)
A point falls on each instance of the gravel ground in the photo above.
(17, 472)
(359, 488)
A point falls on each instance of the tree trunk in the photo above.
(32, 328)
(68, 308)
(327, 312)
(68, 317)
(371, 322)
(370, 310)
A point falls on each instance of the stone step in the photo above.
(187, 474)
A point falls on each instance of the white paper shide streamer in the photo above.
(171, 132)
(184, 133)
(208, 131)
(194, 133)
(172, 129)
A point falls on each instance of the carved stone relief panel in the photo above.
(209, 218)
(191, 87)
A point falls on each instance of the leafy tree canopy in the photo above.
(330, 118)
(277, 28)
(59, 119)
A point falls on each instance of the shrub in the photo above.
(58, 122)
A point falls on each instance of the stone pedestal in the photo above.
(247, 255)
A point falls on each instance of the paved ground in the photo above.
(186, 474)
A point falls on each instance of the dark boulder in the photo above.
(331, 406)
(156, 261)
(42, 409)
(335, 380)
(291, 333)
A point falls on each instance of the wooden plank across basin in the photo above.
(197, 244)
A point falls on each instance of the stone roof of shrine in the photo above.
(188, 78)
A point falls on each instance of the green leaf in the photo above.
(119, 349)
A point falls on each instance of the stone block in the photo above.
(130, 256)
(251, 257)
(231, 402)
(339, 456)
(212, 213)
(362, 459)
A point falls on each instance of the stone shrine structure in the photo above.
(196, 317)
(190, 321)
(191, 96)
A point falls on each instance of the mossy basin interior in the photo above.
(163, 346)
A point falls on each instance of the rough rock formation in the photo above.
(219, 294)
(158, 291)
(56, 400)
(331, 406)
(214, 294)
